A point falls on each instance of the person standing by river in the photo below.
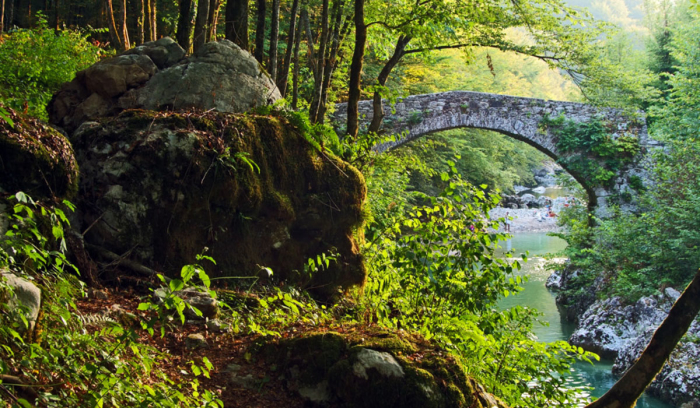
(507, 222)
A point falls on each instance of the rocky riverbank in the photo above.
(620, 332)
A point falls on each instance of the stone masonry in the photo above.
(419, 115)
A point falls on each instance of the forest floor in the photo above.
(263, 387)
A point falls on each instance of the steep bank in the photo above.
(620, 332)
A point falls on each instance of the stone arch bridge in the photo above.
(520, 118)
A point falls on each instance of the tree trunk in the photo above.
(214, 6)
(295, 74)
(10, 14)
(237, 22)
(184, 25)
(57, 20)
(354, 91)
(200, 28)
(331, 62)
(274, 38)
(625, 392)
(125, 31)
(113, 34)
(378, 115)
(311, 54)
(140, 22)
(154, 20)
(320, 65)
(259, 52)
(2, 15)
(283, 74)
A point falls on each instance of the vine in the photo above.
(592, 151)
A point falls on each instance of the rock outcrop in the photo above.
(163, 186)
(35, 159)
(621, 332)
(158, 76)
(381, 369)
(25, 298)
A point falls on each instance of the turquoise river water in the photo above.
(537, 296)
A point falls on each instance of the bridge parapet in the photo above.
(523, 119)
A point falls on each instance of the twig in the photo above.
(122, 261)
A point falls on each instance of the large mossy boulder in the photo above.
(159, 76)
(36, 159)
(370, 368)
(252, 189)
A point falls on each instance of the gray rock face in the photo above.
(26, 298)
(384, 363)
(622, 332)
(157, 76)
(220, 76)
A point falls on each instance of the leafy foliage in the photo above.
(433, 270)
(582, 142)
(67, 364)
(35, 62)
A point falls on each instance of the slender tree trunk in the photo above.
(154, 20)
(147, 21)
(283, 74)
(184, 25)
(320, 65)
(214, 6)
(378, 115)
(237, 22)
(200, 27)
(625, 392)
(140, 22)
(311, 54)
(2, 15)
(354, 91)
(331, 61)
(125, 31)
(113, 34)
(57, 19)
(274, 38)
(259, 52)
(295, 73)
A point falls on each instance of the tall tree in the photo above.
(319, 65)
(124, 29)
(214, 6)
(358, 54)
(259, 51)
(200, 28)
(237, 22)
(113, 33)
(2, 15)
(283, 74)
(184, 25)
(274, 38)
(140, 20)
(295, 74)
(154, 20)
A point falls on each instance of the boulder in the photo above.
(158, 76)
(25, 298)
(203, 301)
(365, 369)
(36, 159)
(196, 341)
(251, 189)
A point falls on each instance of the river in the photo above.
(537, 296)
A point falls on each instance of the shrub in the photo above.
(35, 62)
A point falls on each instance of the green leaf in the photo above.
(176, 284)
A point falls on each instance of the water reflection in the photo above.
(536, 295)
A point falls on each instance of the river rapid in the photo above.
(536, 295)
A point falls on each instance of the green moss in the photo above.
(432, 378)
(35, 158)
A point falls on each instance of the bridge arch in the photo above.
(520, 118)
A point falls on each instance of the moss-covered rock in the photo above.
(36, 159)
(366, 368)
(249, 188)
